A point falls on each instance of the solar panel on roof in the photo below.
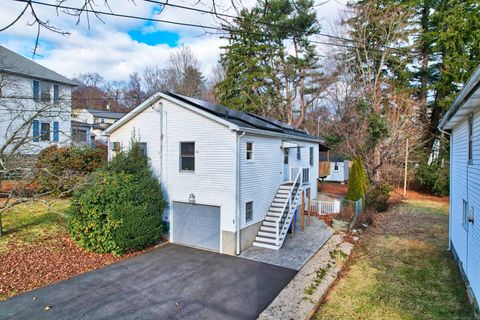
(244, 119)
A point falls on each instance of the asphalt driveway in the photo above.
(170, 282)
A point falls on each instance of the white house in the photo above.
(339, 167)
(462, 123)
(35, 104)
(232, 179)
(99, 119)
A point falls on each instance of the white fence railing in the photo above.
(323, 207)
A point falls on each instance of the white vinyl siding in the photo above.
(465, 186)
(259, 181)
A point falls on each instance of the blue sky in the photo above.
(117, 47)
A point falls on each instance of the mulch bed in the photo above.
(29, 267)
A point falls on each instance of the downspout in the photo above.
(450, 191)
(237, 195)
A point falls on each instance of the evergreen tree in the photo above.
(357, 183)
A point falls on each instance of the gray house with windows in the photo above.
(35, 103)
(232, 179)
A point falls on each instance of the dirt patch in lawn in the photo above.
(400, 269)
(333, 188)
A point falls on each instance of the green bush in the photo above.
(120, 208)
(433, 178)
(357, 181)
(60, 169)
(377, 197)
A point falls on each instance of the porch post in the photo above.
(303, 209)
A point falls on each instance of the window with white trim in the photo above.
(249, 211)
(187, 156)
(45, 129)
(311, 156)
(249, 151)
(299, 153)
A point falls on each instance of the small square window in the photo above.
(187, 156)
(249, 211)
(335, 167)
(249, 154)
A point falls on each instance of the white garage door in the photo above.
(196, 225)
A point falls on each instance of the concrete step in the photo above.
(265, 245)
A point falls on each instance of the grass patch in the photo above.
(401, 270)
(31, 222)
(338, 255)
(319, 276)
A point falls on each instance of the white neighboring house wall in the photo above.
(339, 171)
(164, 124)
(17, 105)
(463, 121)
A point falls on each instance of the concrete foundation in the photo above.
(247, 236)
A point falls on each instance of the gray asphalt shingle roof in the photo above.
(106, 114)
(14, 63)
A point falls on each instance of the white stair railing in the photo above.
(288, 210)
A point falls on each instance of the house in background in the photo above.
(82, 133)
(229, 176)
(36, 99)
(462, 123)
(339, 167)
(99, 119)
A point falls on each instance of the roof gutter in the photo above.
(280, 135)
(472, 84)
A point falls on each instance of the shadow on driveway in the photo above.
(166, 283)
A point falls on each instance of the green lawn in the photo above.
(401, 270)
(30, 222)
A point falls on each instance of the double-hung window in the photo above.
(187, 156)
(45, 131)
(143, 148)
(45, 91)
(249, 154)
(56, 93)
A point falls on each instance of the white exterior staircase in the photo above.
(275, 226)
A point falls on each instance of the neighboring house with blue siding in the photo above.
(35, 104)
(462, 123)
(228, 176)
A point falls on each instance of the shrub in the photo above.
(357, 181)
(120, 208)
(377, 197)
(346, 214)
(61, 169)
(433, 178)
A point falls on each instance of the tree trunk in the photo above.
(424, 57)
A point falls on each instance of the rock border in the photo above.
(302, 296)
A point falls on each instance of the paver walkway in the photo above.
(296, 250)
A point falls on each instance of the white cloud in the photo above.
(107, 48)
